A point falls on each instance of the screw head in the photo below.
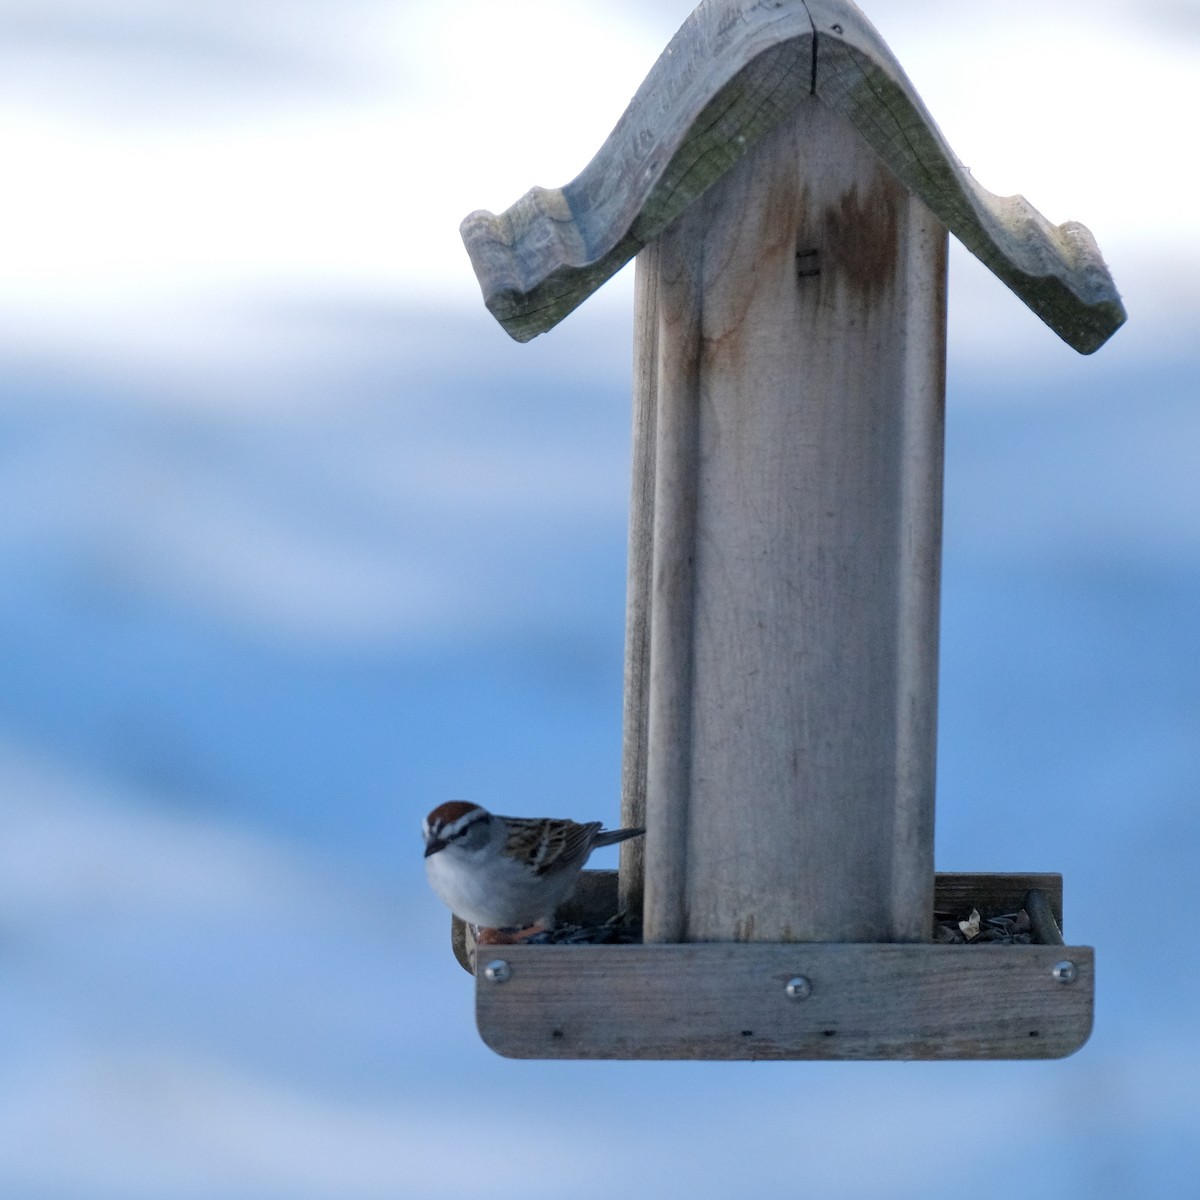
(497, 971)
(1065, 971)
(798, 988)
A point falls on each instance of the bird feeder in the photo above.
(788, 198)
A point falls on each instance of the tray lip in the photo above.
(783, 958)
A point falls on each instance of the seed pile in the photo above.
(1009, 929)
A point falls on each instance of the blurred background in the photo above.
(295, 543)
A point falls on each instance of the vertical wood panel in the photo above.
(678, 301)
(635, 744)
(794, 541)
(919, 569)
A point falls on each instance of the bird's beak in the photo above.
(434, 845)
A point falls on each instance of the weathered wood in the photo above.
(731, 73)
(596, 899)
(730, 1002)
(794, 537)
(793, 196)
(1057, 270)
(639, 574)
(995, 894)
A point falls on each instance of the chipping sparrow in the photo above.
(500, 872)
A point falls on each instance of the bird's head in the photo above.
(457, 823)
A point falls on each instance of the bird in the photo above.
(499, 872)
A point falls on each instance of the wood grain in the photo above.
(639, 578)
(793, 540)
(995, 894)
(730, 73)
(729, 1002)
(728, 77)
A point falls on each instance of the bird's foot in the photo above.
(509, 937)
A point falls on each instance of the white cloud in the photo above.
(141, 1124)
(74, 846)
(233, 261)
(319, 501)
(139, 217)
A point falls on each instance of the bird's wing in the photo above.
(549, 845)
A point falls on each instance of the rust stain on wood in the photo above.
(862, 233)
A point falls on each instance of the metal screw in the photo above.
(497, 971)
(798, 988)
(1065, 971)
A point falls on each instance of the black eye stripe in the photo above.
(469, 825)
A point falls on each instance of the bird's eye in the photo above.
(461, 831)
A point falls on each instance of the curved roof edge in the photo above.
(729, 76)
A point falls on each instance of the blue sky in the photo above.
(295, 543)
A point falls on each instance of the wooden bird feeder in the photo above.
(788, 198)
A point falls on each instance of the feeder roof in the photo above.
(730, 75)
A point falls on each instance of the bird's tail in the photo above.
(610, 837)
